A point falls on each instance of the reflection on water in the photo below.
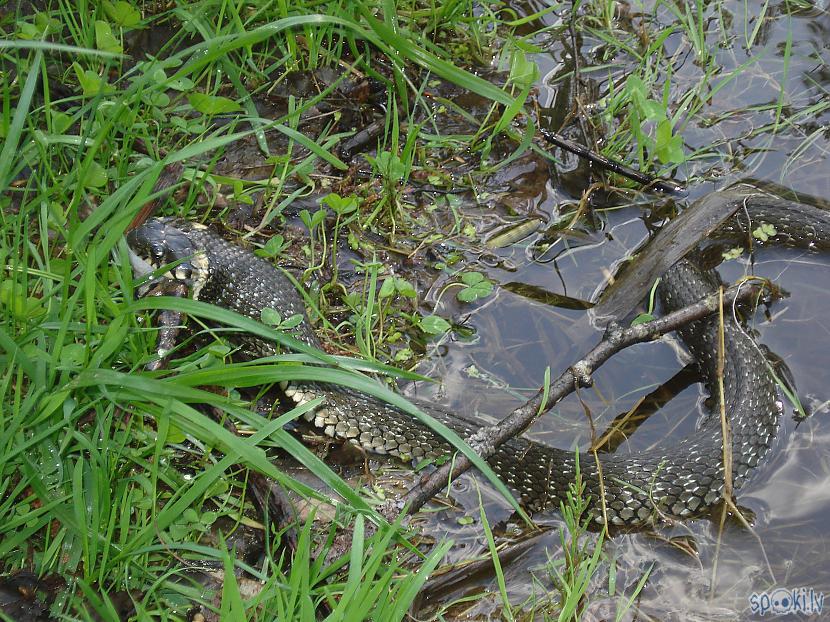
(789, 496)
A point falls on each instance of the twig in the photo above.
(488, 439)
(726, 428)
(656, 183)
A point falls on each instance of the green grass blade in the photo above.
(15, 130)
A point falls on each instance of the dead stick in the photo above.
(657, 183)
(488, 439)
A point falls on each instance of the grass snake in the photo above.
(675, 479)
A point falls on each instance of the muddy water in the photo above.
(789, 496)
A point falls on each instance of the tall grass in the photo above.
(111, 477)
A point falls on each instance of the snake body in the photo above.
(675, 479)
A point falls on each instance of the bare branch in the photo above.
(656, 183)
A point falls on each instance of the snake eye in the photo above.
(157, 252)
(183, 272)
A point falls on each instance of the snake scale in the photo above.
(674, 479)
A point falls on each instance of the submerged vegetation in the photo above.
(362, 145)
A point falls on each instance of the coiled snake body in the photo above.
(677, 479)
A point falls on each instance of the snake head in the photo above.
(157, 243)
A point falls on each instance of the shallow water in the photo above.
(789, 495)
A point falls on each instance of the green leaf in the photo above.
(305, 217)
(43, 26)
(105, 40)
(389, 166)
(158, 74)
(270, 316)
(212, 104)
(340, 205)
(668, 148)
(642, 319)
(471, 278)
(733, 253)
(95, 176)
(292, 322)
(663, 132)
(675, 153)
(652, 110)
(28, 31)
(46, 24)
(312, 222)
(73, 355)
(91, 83)
(387, 289)
(208, 518)
(434, 325)
(272, 247)
(60, 121)
(158, 99)
(318, 218)
(175, 435)
(160, 77)
(217, 488)
(764, 232)
(477, 287)
(219, 350)
(405, 288)
(182, 84)
(124, 14)
(403, 355)
(636, 88)
(523, 72)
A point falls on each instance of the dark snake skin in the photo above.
(674, 480)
